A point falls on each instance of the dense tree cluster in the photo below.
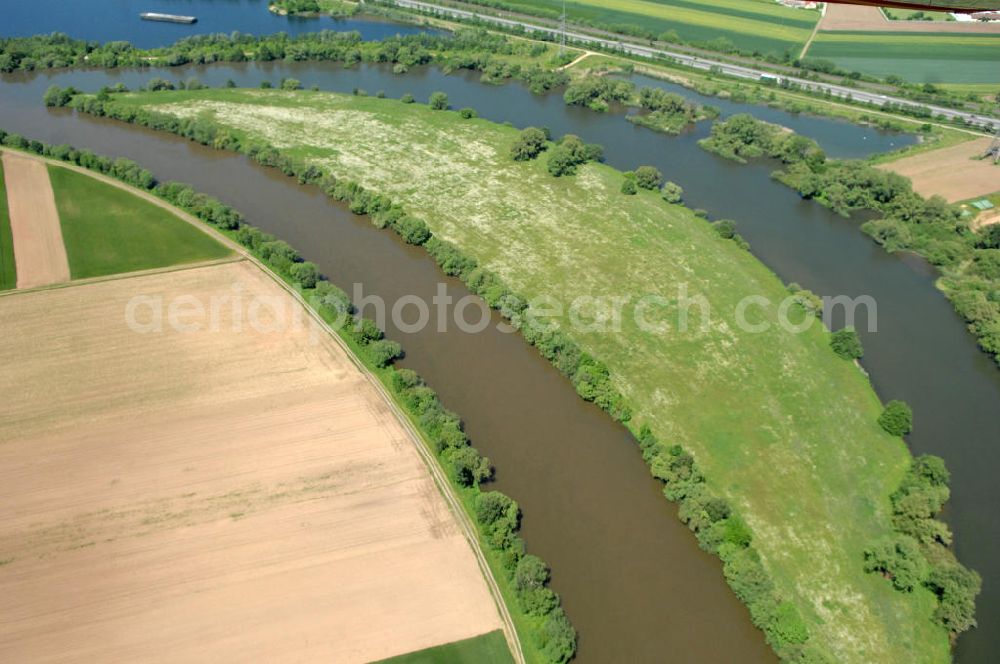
(847, 344)
(896, 418)
(597, 92)
(530, 143)
(570, 153)
(310, 7)
(465, 49)
(918, 555)
(743, 137)
(668, 112)
(122, 169)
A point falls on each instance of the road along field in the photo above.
(955, 173)
(924, 57)
(784, 429)
(39, 254)
(238, 492)
(751, 25)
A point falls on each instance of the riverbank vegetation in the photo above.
(547, 635)
(659, 110)
(969, 261)
(737, 407)
(743, 137)
(497, 57)
(335, 8)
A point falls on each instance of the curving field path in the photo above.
(235, 492)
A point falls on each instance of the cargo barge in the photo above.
(167, 18)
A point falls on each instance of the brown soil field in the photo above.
(34, 223)
(951, 172)
(865, 18)
(236, 493)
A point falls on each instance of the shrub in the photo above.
(898, 559)
(629, 185)
(306, 274)
(468, 113)
(570, 153)
(438, 101)
(956, 588)
(290, 84)
(726, 228)
(407, 98)
(383, 352)
(468, 467)
(529, 144)
(557, 638)
(672, 193)
(847, 344)
(897, 418)
(648, 177)
(56, 96)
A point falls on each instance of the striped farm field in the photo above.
(918, 57)
(753, 25)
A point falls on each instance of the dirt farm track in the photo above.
(228, 494)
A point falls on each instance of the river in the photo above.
(632, 578)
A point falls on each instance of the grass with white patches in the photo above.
(780, 425)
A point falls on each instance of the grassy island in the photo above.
(781, 427)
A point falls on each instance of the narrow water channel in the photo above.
(632, 578)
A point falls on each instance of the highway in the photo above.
(737, 71)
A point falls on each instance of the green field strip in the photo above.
(108, 230)
(8, 270)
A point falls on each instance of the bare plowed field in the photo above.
(951, 172)
(218, 495)
(34, 223)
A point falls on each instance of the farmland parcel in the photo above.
(781, 426)
(39, 255)
(141, 469)
(928, 57)
(747, 25)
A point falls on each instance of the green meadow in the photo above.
(488, 648)
(8, 272)
(781, 427)
(918, 57)
(108, 230)
(752, 25)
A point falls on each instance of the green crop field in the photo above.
(8, 273)
(752, 25)
(486, 649)
(780, 425)
(108, 230)
(914, 56)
